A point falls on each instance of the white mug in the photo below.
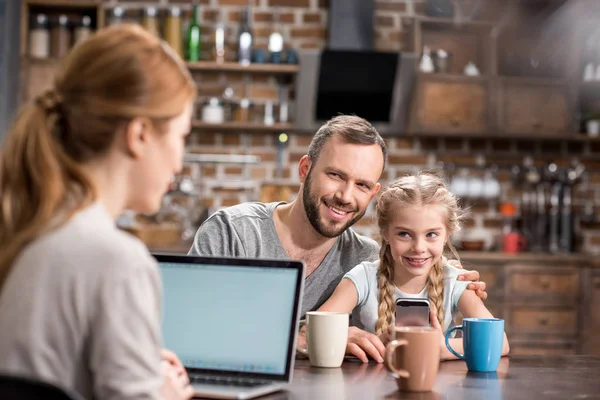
(326, 338)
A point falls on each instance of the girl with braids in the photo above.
(416, 215)
(79, 299)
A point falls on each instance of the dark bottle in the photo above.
(193, 36)
(245, 38)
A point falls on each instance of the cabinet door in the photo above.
(591, 315)
(445, 104)
(534, 109)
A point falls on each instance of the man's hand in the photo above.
(363, 344)
(473, 276)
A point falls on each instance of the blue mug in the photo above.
(482, 341)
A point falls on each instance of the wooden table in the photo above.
(518, 377)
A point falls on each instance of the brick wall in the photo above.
(305, 26)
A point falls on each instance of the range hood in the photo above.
(350, 77)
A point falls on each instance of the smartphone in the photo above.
(412, 312)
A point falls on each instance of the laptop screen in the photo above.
(231, 315)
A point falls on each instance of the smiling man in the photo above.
(339, 177)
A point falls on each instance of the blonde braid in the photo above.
(385, 281)
(435, 290)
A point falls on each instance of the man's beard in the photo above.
(311, 208)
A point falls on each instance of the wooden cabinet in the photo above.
(591, 311)
(550, 306)
(524, 92)
(445, 103)
(533, 107)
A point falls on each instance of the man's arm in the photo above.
(217, 237)
(473, 276)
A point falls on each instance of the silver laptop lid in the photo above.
(230, 316)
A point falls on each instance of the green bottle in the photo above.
(193, 37)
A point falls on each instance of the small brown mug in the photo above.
(413, 357)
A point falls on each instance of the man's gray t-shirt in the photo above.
(247, 230)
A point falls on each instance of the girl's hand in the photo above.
(433, 321)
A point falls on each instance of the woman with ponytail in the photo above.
(416, 215)
(79, 299)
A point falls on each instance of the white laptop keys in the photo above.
(232, 322)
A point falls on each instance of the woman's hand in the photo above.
(176, 383)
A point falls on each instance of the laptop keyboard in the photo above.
(226, 381)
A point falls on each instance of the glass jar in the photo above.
(243, 112)
(173, 30)
(116, 16)
(83, 29)
(213, 111)
(150, 22)
(60, 37)
(39, 37)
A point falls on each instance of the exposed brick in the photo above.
(303, 141)
(266, 156)
(311, 45)
(258, 139)
(390, 6)
(419, 7)
(201, 2)
(287, 18)
(312, 18)
(228, 202)
(404, 143)
(208, 171)
(384, 21)
(204, 138)
(289, 3)
(233, 170)
(468, 223)
(493, 223)
(232, 2)
(308, 32)
(296, 156)
(262, 16)
(263, 32)
(414, 159)
(258, 172)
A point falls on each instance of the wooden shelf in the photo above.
(453, 77)
(452, 22)
(235, 67)
(569, 137)
(65, 3)
(241, 126)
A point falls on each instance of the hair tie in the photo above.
(50, 101)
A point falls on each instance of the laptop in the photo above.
(232, 322)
